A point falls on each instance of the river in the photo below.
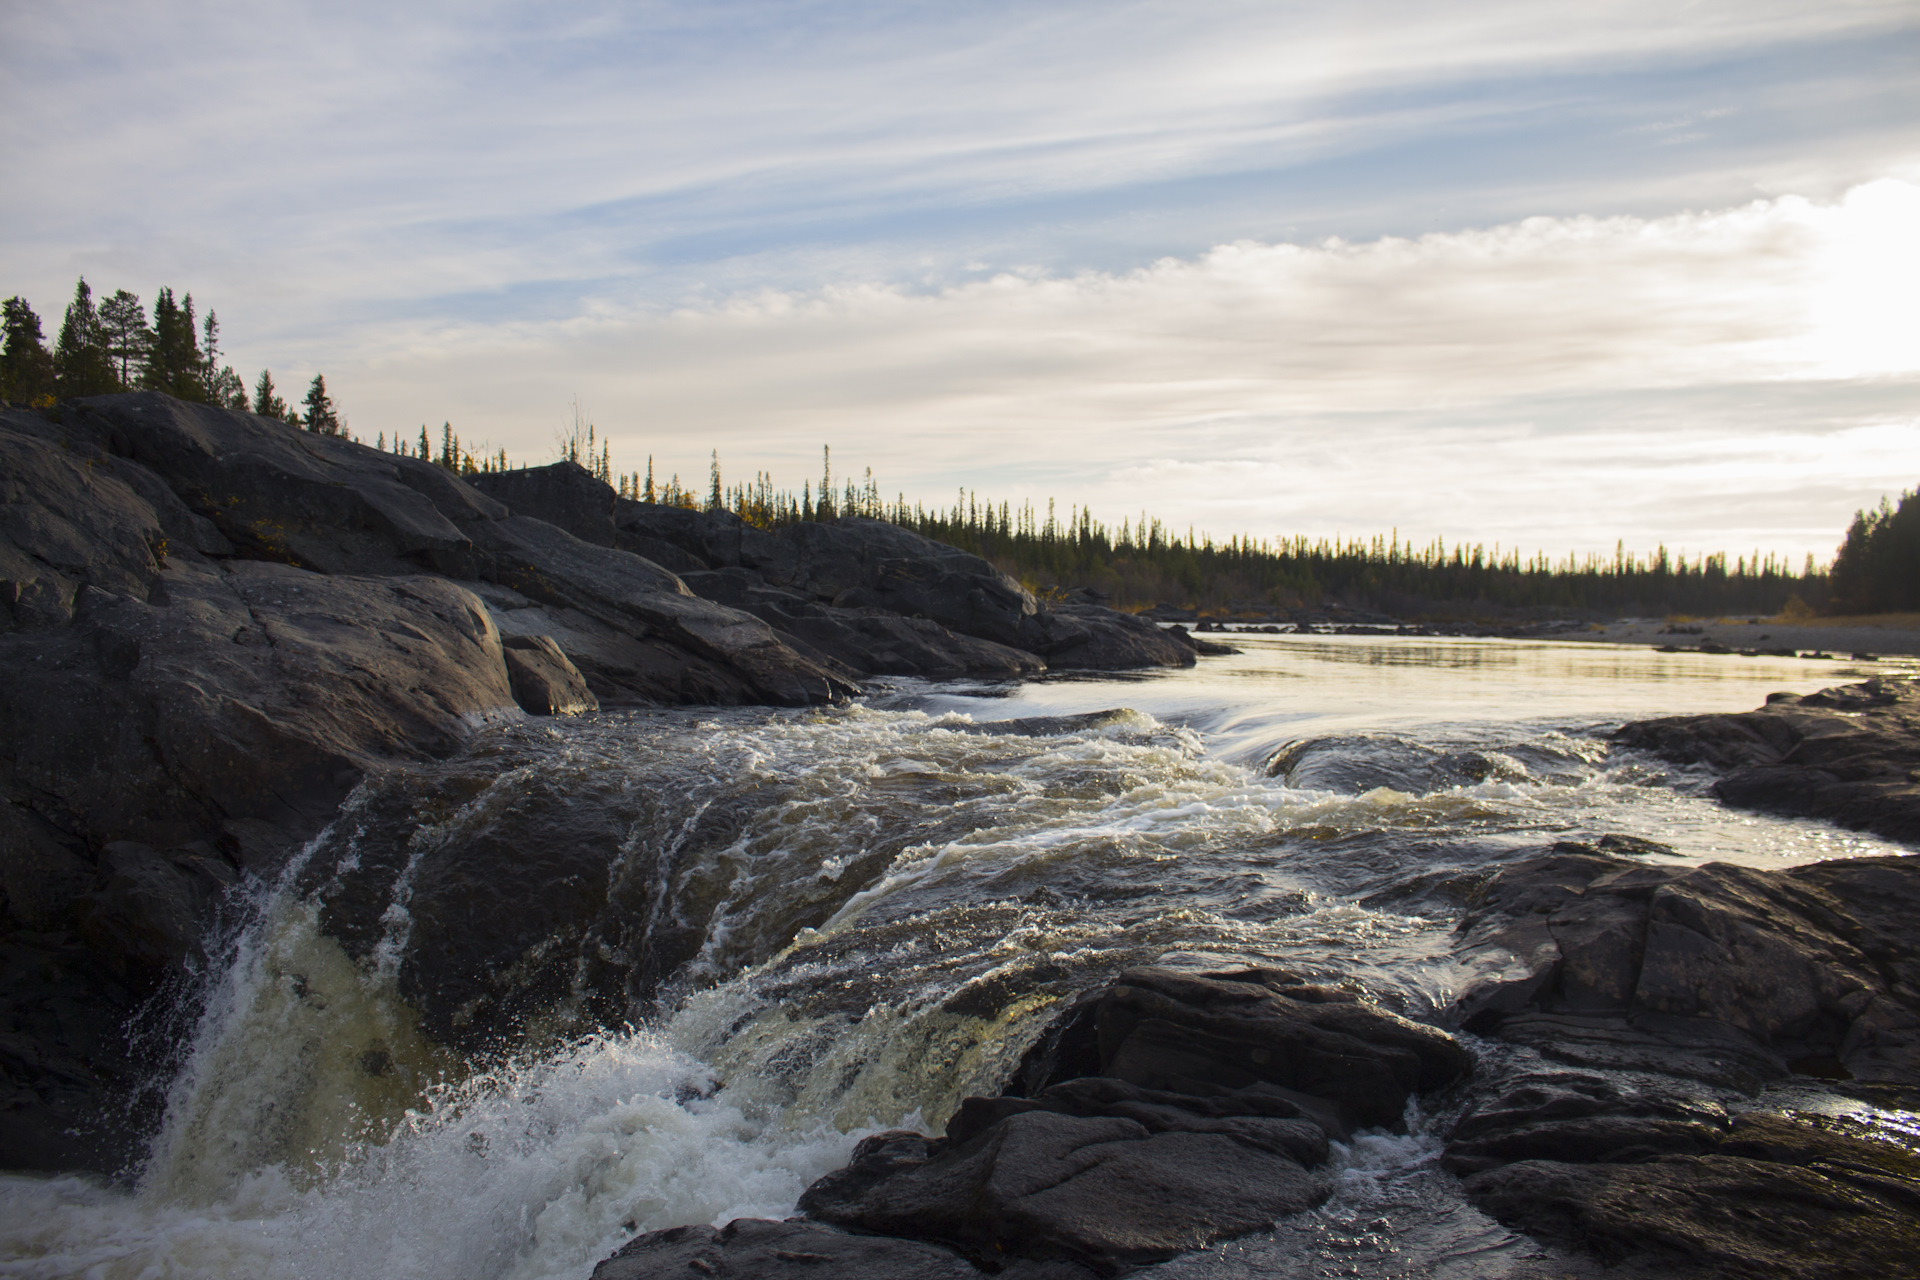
(901, 891)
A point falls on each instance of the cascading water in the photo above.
(746, 938)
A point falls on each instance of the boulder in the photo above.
(1101, 1190)
(544, 681)
(1097, 638)
(1354, 763)
(1767, 1196)
(1222, 1033)
(1719, 972)
(1849, 755)
(759, 1249)
(564, 494)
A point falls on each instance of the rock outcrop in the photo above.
(1849, 755)
(1156, 1115)
(1719, 973)
(827, 584)
(214, 626)
(1639, 984)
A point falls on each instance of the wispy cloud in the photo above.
(1512, 363)
(1070, 247)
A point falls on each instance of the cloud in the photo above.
(1580, 375)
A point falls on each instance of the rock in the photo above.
(1849, 755)
(1221, 1033)
(1771, 1197)
(544, 682)
(1355, 763)
(1719, 972)
(1104, 1191)
(1579, 1116)
(625, 592)
(564, 494)
(1093, 637)
(759, 1249)
(278, 493)
(861, 565)
(865, 641)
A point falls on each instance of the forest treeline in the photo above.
(1140, 562)
(1878, 568)
(112, 345)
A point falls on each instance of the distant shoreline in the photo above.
(1842, 638)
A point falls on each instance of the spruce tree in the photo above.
(267, 402)
(320, 416)
(224, 387)
(82, 366)
(26, 366)
(173, 360)
(123, 327)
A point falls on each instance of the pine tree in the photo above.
(268, 404)
(223, 385)
(320, 416)
(714, 498)
(651, 495)
(173, 359)
(82, 366)
(123, 327)
(26, 366)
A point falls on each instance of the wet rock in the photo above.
(1774, 1196)
(1849, 755)
(544, 682)
(865, 567)
(1105, 1191)
(1718, 972)
(1094, 637)
(866, 641)
(564, 494)
(1222, 1033)
(1354, 763)
(625, 592)
(1583, 1117)
(759, 1249)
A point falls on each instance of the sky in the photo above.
(1545, 275)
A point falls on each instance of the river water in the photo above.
(900, 893)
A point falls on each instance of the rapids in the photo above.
(891, 896)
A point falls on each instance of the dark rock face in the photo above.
(1080, 1170)
(757, 1249)
(1355, 763)
(1258, 1029)
(829, 584)
(1764, 1196)
(1663, 976)
(1718, 972)
(1099, 1189)
(1850, 755)
(545, 682)
(564, 494)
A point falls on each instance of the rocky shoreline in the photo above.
(215, 626)
(1599, 1090)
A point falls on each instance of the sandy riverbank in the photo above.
(1888, 636)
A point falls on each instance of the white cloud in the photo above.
(1511, 378)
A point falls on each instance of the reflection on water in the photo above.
(1288, 686)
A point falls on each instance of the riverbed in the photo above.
(902, 893)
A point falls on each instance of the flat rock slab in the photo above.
(1774, 1198)
(1100, 1190)
(1720, 973)
(1850, 755)
(761, 1249)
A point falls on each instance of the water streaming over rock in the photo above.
(651, 968)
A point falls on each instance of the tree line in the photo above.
(1878, 568)
(1141, 561)
(111, 345)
